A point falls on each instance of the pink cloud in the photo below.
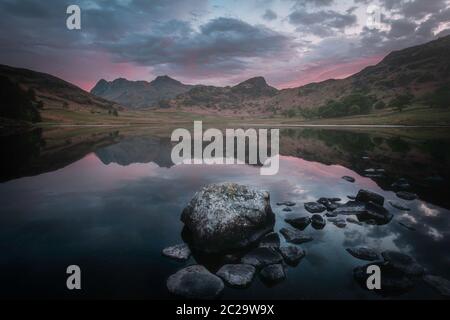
(322, 70)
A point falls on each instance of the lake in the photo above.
(109, 199)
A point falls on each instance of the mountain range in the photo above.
(417, 71)
(139, 94)
(416, 75)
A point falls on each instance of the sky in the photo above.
(213, 42)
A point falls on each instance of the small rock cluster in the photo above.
(236, 222)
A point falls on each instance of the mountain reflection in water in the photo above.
(110, 201)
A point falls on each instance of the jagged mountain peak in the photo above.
(165, 79)
(140, 94)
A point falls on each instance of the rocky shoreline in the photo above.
(236, 224)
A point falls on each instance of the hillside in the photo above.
(246, 97)
(32, 92)
(416, 75)
(419, 74)
(139, 94)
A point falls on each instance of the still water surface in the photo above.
(109, 200)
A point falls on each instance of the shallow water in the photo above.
(109, 200)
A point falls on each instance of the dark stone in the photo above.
(178, 252)
(340, 223)
(292, 254)
(237, 275)
(401, 183)
(403, 263)
(270, 240)
(273, 273)
(228, 216)
(369, 196)
(318, 222)
(195, 282)
(349, 179)
(406, 195)
(393, 283)
(331, 214)
(286, 203)
(351, 197)
(299, 222)
(315, 207)
(294, 236)
(261, 257)
(375, 212)
(398, 206)
(363, 253)
(329, 203)
(407, 226)
(287, 209)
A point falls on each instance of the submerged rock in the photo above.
(287, 209)
(365, 211)
(273, 273)
(340, 223)
(318, 222)
(392, 283)
(406, 195)
(299, 222)
(407, 226)
(237, 275)
(178, 252)
(369, 196)
(292, 254)
(329, 203)
(195, 282)
(227, 216)
(403, 262)
(354, 221)
(363, 253)
(286, 203)
(315, 207)
(349, 179)
(331, 214)
(439, 284)
(401, 183)
(270, 240)
(398, 205)
(294, 236)
(261, 257)
(375, 212)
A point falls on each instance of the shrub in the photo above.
(17, 103)
(439, 98)
(379, 105)
(402, 101)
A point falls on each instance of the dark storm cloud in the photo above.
(149, 33)
(402, 28)
(321, 23)
(221, 43)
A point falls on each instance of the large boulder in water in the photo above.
(228, 216)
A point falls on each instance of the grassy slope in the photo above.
(417, 115)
